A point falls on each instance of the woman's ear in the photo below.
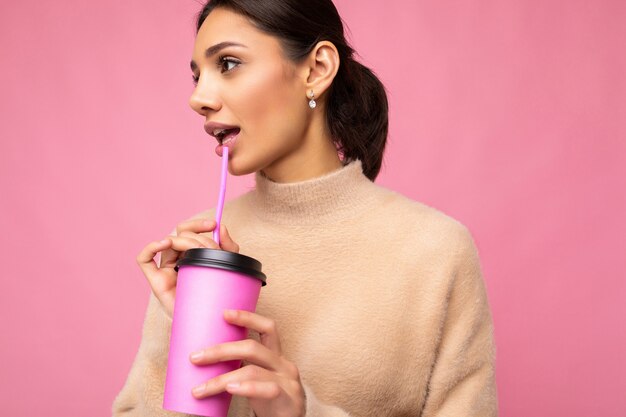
(322, 64)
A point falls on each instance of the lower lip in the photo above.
(230, 144)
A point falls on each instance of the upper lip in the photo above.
(211, 127)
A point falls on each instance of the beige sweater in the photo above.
(379, 301)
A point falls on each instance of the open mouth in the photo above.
(226, 135)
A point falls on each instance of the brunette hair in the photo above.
(357, 109)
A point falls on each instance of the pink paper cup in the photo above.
(209, 282)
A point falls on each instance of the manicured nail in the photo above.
(164, 241)
(196, 356)
(232, 385)
(199, 390)
(208, 223)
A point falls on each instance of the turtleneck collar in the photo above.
(338, 195)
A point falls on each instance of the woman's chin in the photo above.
(237, 167)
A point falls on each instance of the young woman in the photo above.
(375, 304)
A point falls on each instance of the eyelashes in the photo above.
(221, 60)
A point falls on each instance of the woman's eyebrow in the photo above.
(212, 50)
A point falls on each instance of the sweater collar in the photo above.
(338, 195)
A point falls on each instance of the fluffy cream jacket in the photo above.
(379, 301)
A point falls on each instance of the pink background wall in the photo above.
(509, 116)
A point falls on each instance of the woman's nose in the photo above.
(204, 99)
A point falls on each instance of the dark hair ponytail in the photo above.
(357, 109)
(357, 116)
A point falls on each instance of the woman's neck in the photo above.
(336, 196)
(296, 171)
(315, 156)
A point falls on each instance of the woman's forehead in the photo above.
(223, 28)
(224, 25)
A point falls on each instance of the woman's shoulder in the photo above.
(417, 220)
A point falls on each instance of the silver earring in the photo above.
(312, 102)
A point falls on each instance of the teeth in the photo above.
(218, 132)
(228, 140)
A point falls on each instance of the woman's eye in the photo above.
(221, 61)
(225, 60)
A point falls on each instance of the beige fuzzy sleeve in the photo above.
(142, 393)
(462, 382)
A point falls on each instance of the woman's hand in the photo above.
(189, 235)
(270, 382)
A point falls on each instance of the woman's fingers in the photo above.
(267, 390)
(271, 383)
(179, 244)
(226, 242)
(248, 373)
(196, 226)
(202, 240)
(247, 349)
(266, 327)
(162, 281)
(187, 235)
(145, 259)
(160, 278)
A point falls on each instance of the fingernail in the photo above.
(196, 356)
(208, 223)
(164, 241)
(199, 390)
(230, 313)
(232, 385)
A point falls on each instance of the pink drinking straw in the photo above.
(220, 201)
